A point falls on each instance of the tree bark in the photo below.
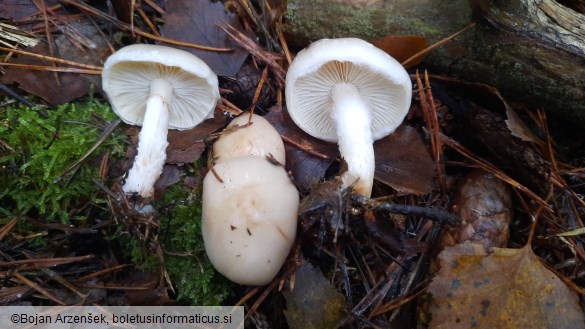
(531, 50)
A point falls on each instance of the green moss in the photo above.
(196, 281)
(35, 150)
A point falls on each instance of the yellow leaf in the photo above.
(508, 288)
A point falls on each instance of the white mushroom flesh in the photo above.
(159, 88)
(354, 137)
(350, 92)
(249, 218)
(249, 136)
(152, 141)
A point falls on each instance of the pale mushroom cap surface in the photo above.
(259, 138)
(127, 77)
(249, 219)
(382, 82)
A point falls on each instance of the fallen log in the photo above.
(531, 50)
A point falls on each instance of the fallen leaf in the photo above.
(518, 127)
(403, 162)
(69, 86)
(42, 83)
(314, 302)
(15, 10)
(402, 47)
(186, 146)
(196, 21)
(170, 175)
(305, 167)
(508, 288)
(95, 51)
(491, 98)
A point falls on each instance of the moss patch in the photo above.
(196, 281)
(35, 150)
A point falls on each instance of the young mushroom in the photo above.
(159, 88)
(249, 218)
(247, 135)
(350, 92)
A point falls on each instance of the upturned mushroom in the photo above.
(350, 92)
(249, 218)
(247, 135)
(159, 88)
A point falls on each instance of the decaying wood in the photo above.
(532, 50)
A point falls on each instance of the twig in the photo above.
(4, 230)
(102, 272)
(88, 9)
(155, 7)
(105, 134)
(51, 68)
(38, 288)
(397, 302)
(231, 107)
(430, 117)
(112, 287)
(304, 148)
(435, 133)
(435, 45)
(40, 4)
(491, 168)
(46, 261)
(16, 96)
(256, 51)
(284, 46)
(258, 90)
(51, 59)
(435, 214)
(147, 21)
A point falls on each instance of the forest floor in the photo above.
(476, 214)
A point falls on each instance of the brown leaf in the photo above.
(517, 127)
(314, 302)
(15, 10)
(402, 47)
(170, 175)
(509, 288)
(95, 51)
(186, 146)
(403, 162)
(491, 98)
(196, 21)
(306, 168)
(484, 204)
(69, 85)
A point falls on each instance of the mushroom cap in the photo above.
(249, 218)
(383, 84)
(259, 139)
(128, 73)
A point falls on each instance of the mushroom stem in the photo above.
(152, 141)
(354, 137)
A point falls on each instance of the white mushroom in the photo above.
(159, 88)
(249, 218)
(258, 138)
(350, 92)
